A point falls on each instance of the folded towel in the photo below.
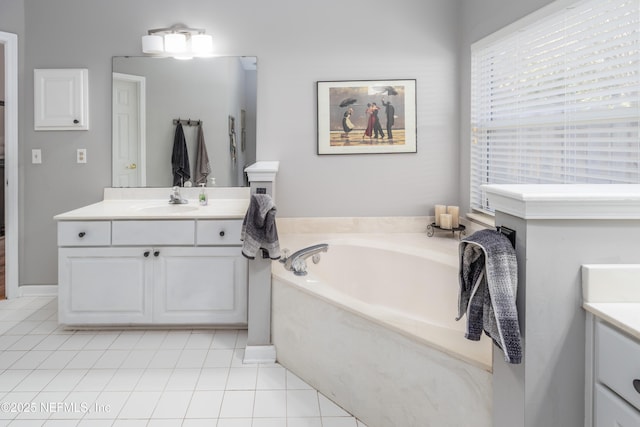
(488, 286)
(259, 228)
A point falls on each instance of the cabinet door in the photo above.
(612, 411)
(206, 285)
(104, 285)
(61, 99)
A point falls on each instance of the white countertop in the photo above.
(141, 204)
(611, 292)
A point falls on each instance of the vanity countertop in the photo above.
(120, 204)
(611, 292)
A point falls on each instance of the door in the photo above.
(128, 131)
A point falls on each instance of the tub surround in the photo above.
(361, 353)
(559, 228)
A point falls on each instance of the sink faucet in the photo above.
(175, 198)
(296, 261)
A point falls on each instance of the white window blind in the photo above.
(559, 100)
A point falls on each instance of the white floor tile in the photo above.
(173, 404)
(202, 422)
(175, 340)
(183, 379)
(27, 342)
(51, 342)
(200, 340)
(304, 422)
(165, 358)
(205, 404)
(270, 404)
(151, 340)
(36, 380)
(153, 380)
(295, 383)
(234, 422)
(74, 405)
(11, 378)
(224, 340)
(302, 403)
(66, 380)
(111, 359)
(101, 341)
(108, 405)
(124, 380)
(192, 358)
(271, 378)
(269, 422)
(95, 380)
(242, 378)
(138, 359)
(58, 359)
(140, 405)
(218, 358)
(237, 404)
(339, 422)
(126, 340)
(31, 360)
(212, 379)
(85, 359)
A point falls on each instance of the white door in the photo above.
(128, 131)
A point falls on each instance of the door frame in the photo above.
(141, 90)
(12, 266)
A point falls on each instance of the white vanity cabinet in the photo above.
(163, 272)
(613, 382)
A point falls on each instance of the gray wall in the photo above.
(297, 44)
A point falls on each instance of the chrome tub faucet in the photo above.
(296, 262)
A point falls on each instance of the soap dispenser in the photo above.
(202, 198)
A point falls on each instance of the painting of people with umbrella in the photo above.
(373, 116)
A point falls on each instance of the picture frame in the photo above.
(356, 116)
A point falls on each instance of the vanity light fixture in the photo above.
(178, 41)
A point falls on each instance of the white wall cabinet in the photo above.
(61, 99)
(150, 283)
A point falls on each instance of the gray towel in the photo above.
(180, 158)
(259, 228)
(488, 286)
(203, 168)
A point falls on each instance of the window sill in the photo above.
(482, 219)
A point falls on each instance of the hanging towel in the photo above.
(488, 286)
(180, 158)
(259, 228)
(203, 167)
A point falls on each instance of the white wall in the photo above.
(297, 44)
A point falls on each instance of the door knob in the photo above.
(132, 166)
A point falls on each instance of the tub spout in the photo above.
(296, 262)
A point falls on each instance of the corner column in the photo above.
(259, 349)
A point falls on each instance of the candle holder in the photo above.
(432, 228)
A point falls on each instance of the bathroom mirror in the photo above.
(151, 94)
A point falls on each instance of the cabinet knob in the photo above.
(76, 121)
(636, 385)
(146, 253)
(81, 234)
(222, 233)
(156, 253)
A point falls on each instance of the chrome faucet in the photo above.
(175, 198)
(296, 262)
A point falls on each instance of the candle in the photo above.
(440, 209)
(455, 215)
(445, 221)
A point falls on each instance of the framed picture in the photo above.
(367, 117)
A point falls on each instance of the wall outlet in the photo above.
(36, 156)
(81, 155)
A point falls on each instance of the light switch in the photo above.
(36, 156)
(82, 155)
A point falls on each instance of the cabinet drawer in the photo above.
(618, 362)
(611, 410)
(84, 233)
(175, 233)
(219, 232)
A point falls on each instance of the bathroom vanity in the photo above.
(135, 259)
(612, 300)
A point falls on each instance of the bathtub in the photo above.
(372, 326)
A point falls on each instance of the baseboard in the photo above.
(259, 354)
(38, 290)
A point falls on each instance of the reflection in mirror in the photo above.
(151, 94)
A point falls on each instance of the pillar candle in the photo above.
(440, 209)
(455, 215)
(445, 221)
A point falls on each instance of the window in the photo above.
(558, 101)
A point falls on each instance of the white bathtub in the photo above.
(372, 326)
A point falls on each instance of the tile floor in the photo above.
(53, 377)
